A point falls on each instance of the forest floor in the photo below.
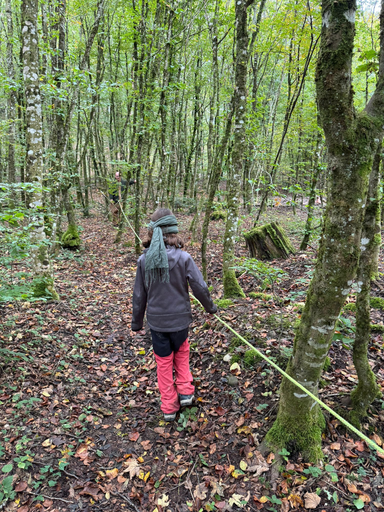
(80, 418)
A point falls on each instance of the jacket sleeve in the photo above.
(199, 288)
(139, 299)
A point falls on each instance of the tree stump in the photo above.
(268, 242)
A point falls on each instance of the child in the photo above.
(163, 274)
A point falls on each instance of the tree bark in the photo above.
(234, 182)
(43, 284)
(351, 139)
(367, 389)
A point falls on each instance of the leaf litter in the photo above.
(81, 423)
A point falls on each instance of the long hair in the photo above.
(171, 239)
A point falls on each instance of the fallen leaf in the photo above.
(21, 486)
(112, 473)
(263, 499)
(132, 468)
(200, 491)
(239, 500)
(311, 500)
(91, 489)
(163, 501)
(243, 465)
(295, 500)
(134, 436)
(220, 411)
(335, 446)
(46, 443)
(146, 445)
(217, 488)
(351, 487)
(270, 458)
(364, 497)
(377, 439)
(244, 430)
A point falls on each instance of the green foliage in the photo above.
(327, 364)
(377, 303)
(345, 331)
(6, 489)
(252, 358)
(189, 414)
(265, 274)
(224, 303)
(351, 306)
(377, 328)
(218, 215)
(260, 295)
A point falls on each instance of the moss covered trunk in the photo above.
(71, 238)
(351, 140)
(367, 389)
(43, 278)
(234, 182)
(268, 242)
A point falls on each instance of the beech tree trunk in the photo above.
(367, 389)
(43, 278)
(352, 139)
(231, 286)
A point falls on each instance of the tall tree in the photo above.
(351, 139)
(231, 286)
(43, 277)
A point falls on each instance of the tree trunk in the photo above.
(43, 278)
(234, 181)
(367, 389)
(351, 140)
(268, 242)
(11, 100)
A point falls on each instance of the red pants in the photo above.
(169, 390)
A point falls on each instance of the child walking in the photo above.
(161, 286)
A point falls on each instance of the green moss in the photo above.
(322, 383)
(351, 306)
(235, 342)
(252, 358)
(218, 215)
(377, 303)
(236, 358)
(327, 364)
(281, 247)
(223, 303)
(377, 237)
(260, 295)
(232, 289)
(377, 328)
(303, 434)
(44, 287)
(71, 239)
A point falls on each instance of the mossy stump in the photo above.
(268, 242)
(71, 239)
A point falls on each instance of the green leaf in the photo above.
(7, 468)
(359, 504)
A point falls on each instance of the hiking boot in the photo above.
(171, 416)
(186, 400)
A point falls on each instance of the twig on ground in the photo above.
(130, 503)
(48, 497)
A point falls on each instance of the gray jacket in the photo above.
(169, 307)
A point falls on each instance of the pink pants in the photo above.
(169, 389)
